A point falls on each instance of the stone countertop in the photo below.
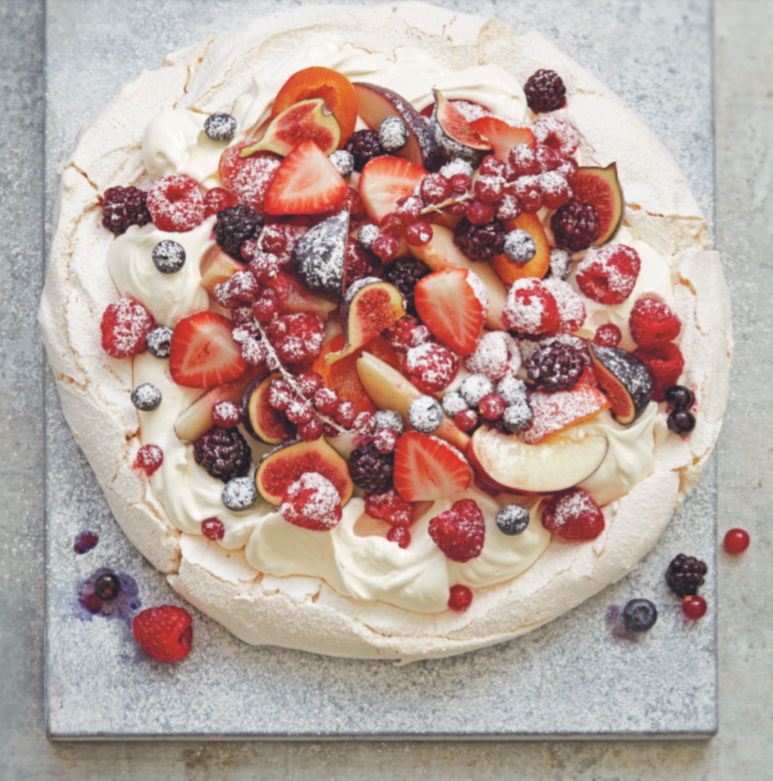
(744, 112)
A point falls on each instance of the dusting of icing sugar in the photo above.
(525, 308)
(571, 310)
(556, 133)
(312, 502)
(572, 506)
(556, 411)
(457, 166)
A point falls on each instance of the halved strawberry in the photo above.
(306, 183)
(202, 353)
(554, 412)
(503, 136)
(453, 304)
(384, 181)
(427, 468)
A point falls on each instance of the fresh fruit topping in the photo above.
(555, 367)
(219, 268)
(312, 502)
(560, 263)
(125, 327)
(158, 341)
(737, 541)
(400, 536)
(511, 389)
(459, 599)
(407, 333)
(220, 127)
(404, 274)
(522, 161)
(495, 356)
(545, 91)
(466, 420)
(685, 575)
(299, 411)
(435, 188)
(530, 307)
(386, 247)
(213, 529)
(474, 388)
(311, 431)
(390, 507)
(366, 235)
(573, 515)
(652, 323)
(294, 299)
(528, 191)
(217, 199)
(694, 608)
(554, 188)
(234, 226)
(261, 409)
(149, 458)
(343, 162)
(248, 178)
(359, 263)
(363, 146)
(307, 120)
(280, 393)
(389, 419)
(519, 246)
(639, 615)
(280, 468)
(223, 453)
(608, 275)
(555, 412)
(107, 585)
(425, 414)
(680, 397)
(146, 397)
(479, 243)
(556, 133)
(512, 519)
(480, 213)
(385, 181)
(123, 207)
(239, 289)
(453, 134)
(202, 353)
(427, 468)
(371, 470)
(625, 379)
(168, 256)
(393, 135)
(239, 494)
(306, 183)
(601, 188)
(607, 335)
(345, 413)
(575, 225)
(681, 422)
(538, 266)
(460, 531)
(176, 203)
(502, 136)
(431, 367)
(518, 415)
(385, 440)
(297, 338)
(665, 364)
(491, 407)
(571, 310)
(165, 632)
(319, 257)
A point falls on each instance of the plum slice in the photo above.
(216, 268)
(601, 188)
(453, 134)
(625, 379)
(260, 420)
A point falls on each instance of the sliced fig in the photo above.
(285, 464)
(625, 379)
(453, 134)
(218, 268)
(601, 188)
(319, 257)
(369, 307)
(262, 421)
(293, 298)
(375, 104)
(303, 121)
(538, 266)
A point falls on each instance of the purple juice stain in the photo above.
(618, 630)
(85, 542)
(121, 606)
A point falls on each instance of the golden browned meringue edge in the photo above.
(302, 612)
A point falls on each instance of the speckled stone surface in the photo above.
(576, 677)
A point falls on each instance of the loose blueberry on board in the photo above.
(425, 414)
(681, 422)
(737, 541)
(107, 585)
(640, 615)
(239, 494)
(680, 397)
(146, 397)
(220, 127)
(694, 607)
(168, 256)
(158, 341)
(119, 598)
(512, 519)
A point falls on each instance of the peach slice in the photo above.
(538, 266)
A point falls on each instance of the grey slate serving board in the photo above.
(577, 677)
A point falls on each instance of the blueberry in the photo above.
(425, 414)
(453, 403)
(220, 127)
(240, 493)
(681, 422)
(512, 519)
(520, 246)
(680, 397)
(146, 397)
(342, 161)
(518, 416)
(107, 585)
(158, 341)
(389, 418)
(640, 615)
(168, 256)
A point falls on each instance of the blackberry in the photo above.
(370, 470)
(575, 225)
(363, 146)
(545, 91)
(123, 207)
(404, 274)
(555, 367)
(480, 242)
(223, 452)
(685, 575)
(234, 226)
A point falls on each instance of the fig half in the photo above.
(319, 257)
(453, 134)
(260, 419)
(601, 188)
(625, 379)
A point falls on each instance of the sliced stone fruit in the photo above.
(369, 307)
(555, 412)
(453, 134)
(625, 378)
(285, 464)
(293, 298)
(601, 188)
(216, 268)
(319, 257)
(307, 120)
(558, 463)
(262, 421)
(538, 266)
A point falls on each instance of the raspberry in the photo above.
(491, 406)
(557, 134)
(280, 394)
(571, 310)
(399, 535)
(363, 145)
(419, 233)
(123, 207)
(459, 599)
(217, 199)
(608, 275)
(530, 307)
(406, 333)
(652, 323)
(480, 242)
(528, 191)
(345, 413)
(225, 414)
(125, 327)
(299, 411)
(149, 458)
(573, 515)
(213, 529)
(364, 423)
(385, 247)
(176, 204)
(223, 453)
(555, 189)
(489, 189)
(435, 188)
(431, 367)
(234, 226)
(607, 335)
(466, 419)
(665, 364)
(479, 212)
(390, 507)
(297, 338)
(556, 367)
(370, 470)
(359, 263)
(325, 400)
(521, 161)
(312, 502)
(386, 440)
(575, 225)
(545, 91)
(164, 632)
(460, 531)
(685, 575)
(405, 274)
(311, 431)
(248, 178)
(495, 356)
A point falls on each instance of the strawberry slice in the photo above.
(554, 412)
(306, 183)
(453, 304)
(503, 136)
(427, 468)
(384, 181)
(202, 353)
